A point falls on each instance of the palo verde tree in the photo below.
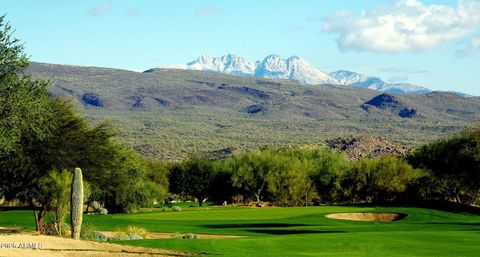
(192, 177)
(379, 180)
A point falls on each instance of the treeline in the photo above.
(446, 169)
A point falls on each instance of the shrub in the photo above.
(96, 206)
(134, 236)
(176, 208)
(136, 230)
(177, 235)
(56, 189)
(190, 236)
(103, 211)
(90, 232)
(120, 236)
(99, 236)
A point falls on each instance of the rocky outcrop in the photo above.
(390, 103)
(255, 109)
(362, 147)
(92, 99)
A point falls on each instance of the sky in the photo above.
(435, 44)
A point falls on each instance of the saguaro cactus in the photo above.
(76, 204)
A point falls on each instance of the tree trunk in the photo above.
(457, 198)
(41, 219)
(257, 195)
(200, 202)
(35, 216)
(37, 228)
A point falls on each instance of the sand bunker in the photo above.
(367, 216)
(21, 245)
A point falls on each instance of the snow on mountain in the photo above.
(294, 68)
(273, 66)
(359, 80)
(230, 64)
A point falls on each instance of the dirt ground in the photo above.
(28, 245)
(157, 235)
(366, 216)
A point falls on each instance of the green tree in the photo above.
(24, 103)
(325, 167)
(192, 177)
(250, 171)
(379, 180)
(454, 167)
(288, 182)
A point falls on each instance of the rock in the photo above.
(92, 99)
(254, 109)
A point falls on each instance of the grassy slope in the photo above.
(171, 114)
(300, 231)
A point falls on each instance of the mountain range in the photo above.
(172, 114)
(293, 68)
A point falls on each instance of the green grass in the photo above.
(297, 231)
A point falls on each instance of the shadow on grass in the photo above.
(256, 225)
(474, 224)
(281, 232)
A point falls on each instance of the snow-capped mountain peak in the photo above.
(230, 64)
(272, 66)
(294, 68)
(360, 80)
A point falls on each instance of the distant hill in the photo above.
(171, 114)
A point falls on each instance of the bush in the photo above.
(120, 236)
(134, 236)
(190, 236)
(176, 208)
(99, 236)
(90, 232)
(103, 211)
(136, 230)
(185, 236)
(177, 235)
(96, 206)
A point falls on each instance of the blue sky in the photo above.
(440, 51)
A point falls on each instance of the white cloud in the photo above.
(101, 9)
(409, 25)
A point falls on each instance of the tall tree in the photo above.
(193, 177)
(454, 166)
(24, 104)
